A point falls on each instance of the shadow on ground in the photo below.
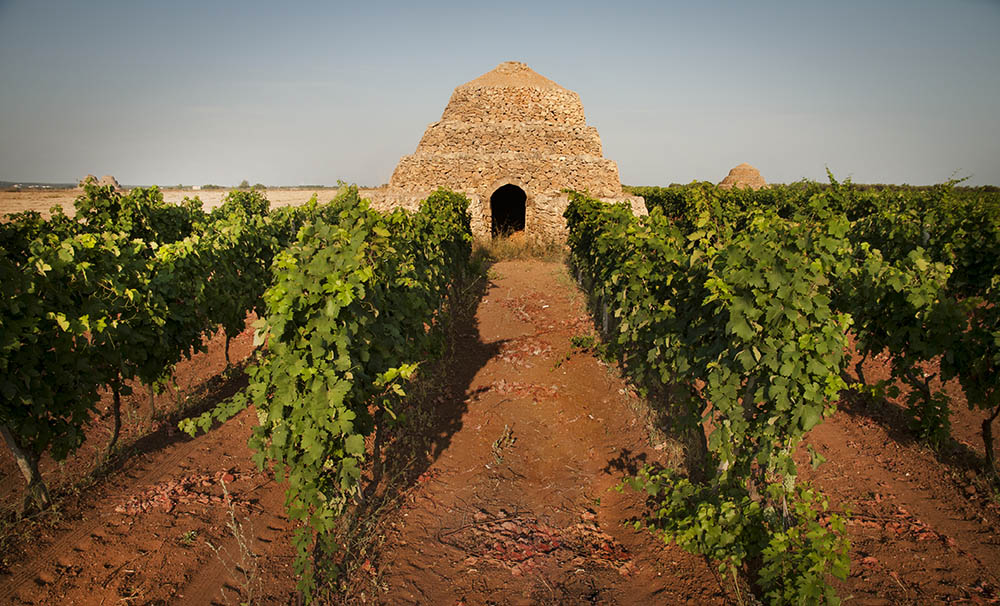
(18, 529)
(893, 419)
(432, 415)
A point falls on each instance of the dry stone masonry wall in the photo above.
(510, 126)
(451, 136)
(743, 175)
(482, 175)
(507, 103)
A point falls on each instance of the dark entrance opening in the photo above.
(507, 206)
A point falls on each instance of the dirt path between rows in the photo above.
(519, 508)
(507, 500)
(513, 503)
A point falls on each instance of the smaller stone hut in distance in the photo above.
(107, 180)
(743, 175)
(512, 141)
(102, 182)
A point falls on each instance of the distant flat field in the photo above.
(42, 200)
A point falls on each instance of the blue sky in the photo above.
(891, 91)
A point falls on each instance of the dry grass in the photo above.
(42, 200)
(517, 246)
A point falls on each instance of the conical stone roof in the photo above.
(512, 74)
(511, 126)
(513, 92)
(102, 182)
(107, 180)
(743, 175)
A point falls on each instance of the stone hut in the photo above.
(743, 175)
(102, 182)
(512, 141)
(109, 180)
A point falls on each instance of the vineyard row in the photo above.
(732, 311)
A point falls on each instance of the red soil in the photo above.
(501, 492)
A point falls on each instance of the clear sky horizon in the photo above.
(188, 92)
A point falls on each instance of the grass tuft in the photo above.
(517, 245)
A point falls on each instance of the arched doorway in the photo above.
(507, 208)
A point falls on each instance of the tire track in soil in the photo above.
(207, 585)
(72, 558)
(115, 550)
(84, 529)
(915, 537)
